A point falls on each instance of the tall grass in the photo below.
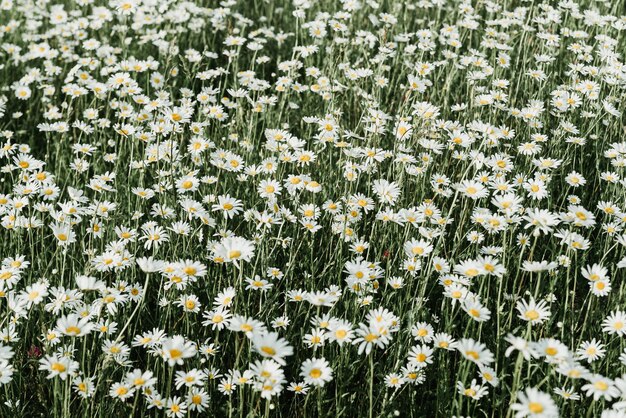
(319, 208)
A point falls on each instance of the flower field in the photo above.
(299, 208)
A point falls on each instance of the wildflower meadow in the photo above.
(312, 208)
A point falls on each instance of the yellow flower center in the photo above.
(58, 367)
(72, 330)
(532, 315)
(270, 351)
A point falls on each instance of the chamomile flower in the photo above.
(316, 372)
(534, 403)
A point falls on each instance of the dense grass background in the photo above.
(313, 262)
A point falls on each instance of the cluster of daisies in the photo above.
(312, 208)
